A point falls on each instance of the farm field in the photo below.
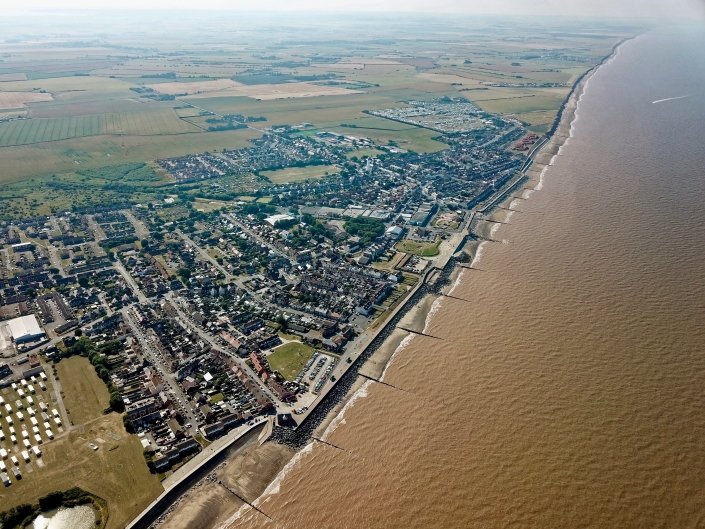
(267, 92)
(150, 123)
(196, 87)
(297, 174)
(13, 100)
(290, 358)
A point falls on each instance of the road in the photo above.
(214, 343)
(140, 229)
(141, 297)
(259, 239)
(241, 282)
(205, 255)
(98, 233)
(152, 353)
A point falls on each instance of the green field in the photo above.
(297, 174)
(289, 359)
(422, 249)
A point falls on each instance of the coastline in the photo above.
(415, 312)
(369, 367)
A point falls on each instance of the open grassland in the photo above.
(116, 184)
(84, 394)
(422, 249)
(150, 123)
(116, 471)
(290, 358)
(297, 174)
(45, 159)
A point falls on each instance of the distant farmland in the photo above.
(152, 123)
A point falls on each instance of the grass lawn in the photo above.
(84, 394)
(297, 174)
(289, 358)
(422, 249)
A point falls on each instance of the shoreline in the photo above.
(371, 363)
(418, 302)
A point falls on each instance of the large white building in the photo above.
(17, 331)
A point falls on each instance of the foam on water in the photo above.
(402, 345)
(478, 254)
(458, 281)
(435, 307)
(273, 488)
(340, 418)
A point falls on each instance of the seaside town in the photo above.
(200, 320)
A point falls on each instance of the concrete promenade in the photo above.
(182, 479)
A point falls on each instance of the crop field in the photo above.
(268, 92)
(82, 88)
(321, 111)
(152, 123)
(4, 77)
(298, 174)
(197, 87)
(10, 100)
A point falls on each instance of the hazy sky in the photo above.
(628, 8)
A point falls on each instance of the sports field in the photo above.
(422, 249)
(84, 394)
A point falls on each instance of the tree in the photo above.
(184, 273)
(116, 402)
(129, 427)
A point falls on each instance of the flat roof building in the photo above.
(22, 329)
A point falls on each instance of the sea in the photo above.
(563, 384)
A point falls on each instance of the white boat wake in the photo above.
(668, 99)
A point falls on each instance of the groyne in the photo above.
(484, 204)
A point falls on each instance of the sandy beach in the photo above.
(244, 475)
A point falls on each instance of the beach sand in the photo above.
(244, 474)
